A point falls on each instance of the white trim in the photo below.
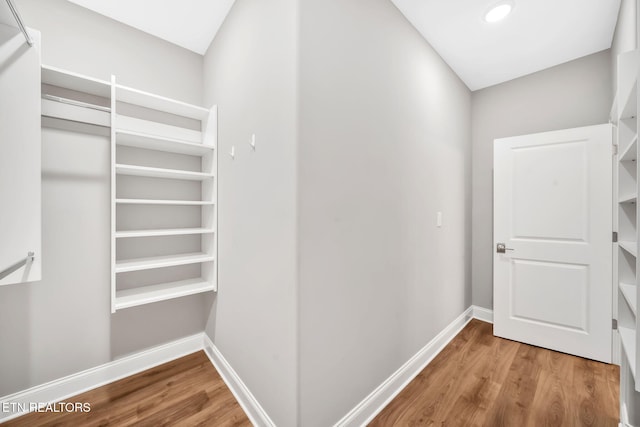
(241, 392)
(371, 406)
(72, 385)
(482, 313)
(624, 415)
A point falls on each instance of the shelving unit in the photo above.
(163, 184)
(161, 172)
(161, 142)
(625, 116)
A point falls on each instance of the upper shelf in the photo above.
(628, 63)
(141, 140)
(631, 152)
(73, 81)
(160, 103)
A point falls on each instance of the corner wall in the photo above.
(574, 94)
(384, 145)
(250, 73)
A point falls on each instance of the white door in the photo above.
(552, 212)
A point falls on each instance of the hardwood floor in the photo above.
(187, 391)
(477, 380)
(481, 380)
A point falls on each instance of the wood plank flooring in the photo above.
(481, 380)
(187, 391)
(477, 380)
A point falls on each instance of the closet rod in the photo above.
(18, 19)
(76, 103)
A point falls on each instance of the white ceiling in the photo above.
(538, 34)
(191, 24)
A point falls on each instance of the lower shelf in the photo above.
(630, 294)
(628, 338)
(165, 291)
(629, 247)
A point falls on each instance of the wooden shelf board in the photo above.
(161, 292)
(171, 145)
(631, 198)
(162, 232)
(164, 202)
(138, 264)
(151, 172)
(630, 247)
(630, 294)
(628, 338)
(160, 103)
(631, 152)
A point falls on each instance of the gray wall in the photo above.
(80, 40)
(574, 94)
(625, 36)
(384, 145)
(63, 325)
(250, 73)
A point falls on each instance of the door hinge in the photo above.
(615, 149)
(614, 237)
(614, 324)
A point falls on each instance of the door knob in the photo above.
(501, 248)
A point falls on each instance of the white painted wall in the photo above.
(574, 94)
(63, 325)
(77, 39)
(384, 145)
(625, 36)
(250, 73)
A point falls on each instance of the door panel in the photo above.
(550, 193)
(552, 198)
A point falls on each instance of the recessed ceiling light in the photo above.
(498, 12)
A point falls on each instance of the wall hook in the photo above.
(232, 153)
(253, 142)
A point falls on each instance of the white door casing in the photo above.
(552, 207)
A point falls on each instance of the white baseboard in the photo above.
(64, 388)
(482, 313)
(364, 412)
(243, 395)
(375, 402)
(371, 406)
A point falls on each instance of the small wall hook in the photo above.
(253, 142)
(232, 153)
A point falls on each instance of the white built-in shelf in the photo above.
(160, 103)
(162, 232)
(139, 264)
(630, 106)
(631, 198)
(628, 338)
(629, 246)
(140, 140)
(165, 291)
(630, 294)
(73, 81)
(151, 172)
(164, 202)
(631, 152)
